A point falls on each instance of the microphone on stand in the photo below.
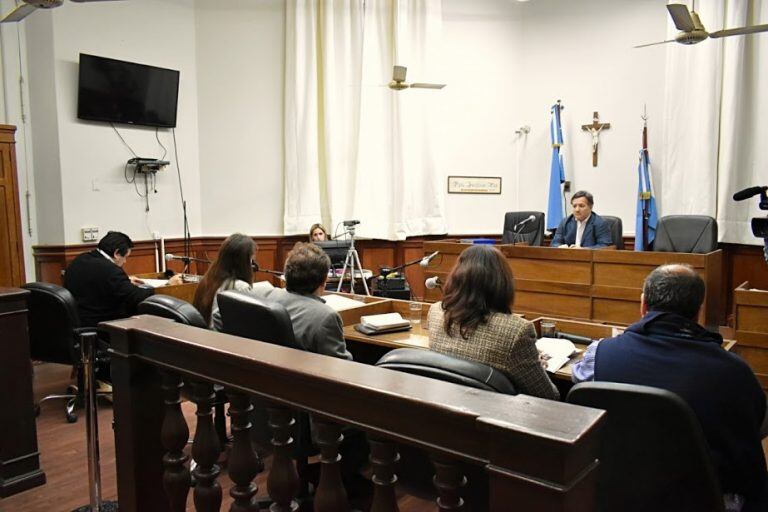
(433, 282)
(256, 268)
(185, 259)
(426, 259)
(516, 228)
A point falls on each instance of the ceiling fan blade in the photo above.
(398, 73)
(19, 13)
(681, 17)
(654, 44)
(754, 29)
(427, 86)
(81, 1)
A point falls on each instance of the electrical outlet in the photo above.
(90, 234)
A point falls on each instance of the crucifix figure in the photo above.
(595, 128)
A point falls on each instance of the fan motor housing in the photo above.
(692, 37)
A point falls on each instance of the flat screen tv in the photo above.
(125, 92)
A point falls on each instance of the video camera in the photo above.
(759, 224)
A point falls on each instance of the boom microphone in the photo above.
(433, 282)
(748, 192)
(525, 221)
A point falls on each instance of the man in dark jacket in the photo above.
(667, 349)
(100, 286)
(583, 228)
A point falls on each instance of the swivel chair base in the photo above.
(106, 506)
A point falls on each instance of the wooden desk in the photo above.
(590, 330)
(751, 326)
(586, 284)
(184, 291)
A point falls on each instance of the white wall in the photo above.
(509, 62)
(505, 63)
(91, 156)
(240, 67)
(581, 52)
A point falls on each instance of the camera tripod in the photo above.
(351, 261)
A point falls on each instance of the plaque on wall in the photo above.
(474, 185)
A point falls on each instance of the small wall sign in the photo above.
(474, 185)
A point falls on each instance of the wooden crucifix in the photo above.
(595, 128)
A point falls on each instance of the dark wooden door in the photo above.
(11, 251)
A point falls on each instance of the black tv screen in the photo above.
(125, 92)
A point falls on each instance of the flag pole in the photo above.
(646, 213)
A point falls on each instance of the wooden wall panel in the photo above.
(11, 251)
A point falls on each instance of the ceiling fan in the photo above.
(27, 7)
(692, 31)
(398, 81)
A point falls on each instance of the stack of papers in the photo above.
(386, 322)
(559, 352)
(339, 303)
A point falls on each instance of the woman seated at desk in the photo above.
(474, 321)
(317, 233)
(232, 270)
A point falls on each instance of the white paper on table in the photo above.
(339, 303)
(558, 350)
(154, 283)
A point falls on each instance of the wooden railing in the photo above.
(538, 454)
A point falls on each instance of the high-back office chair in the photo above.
(531, 232)
(249, 317)
(686, 233)
(653, 454)
(416, 467)
(447, 368)
(617, 231)
(54, 325)
(185, 313)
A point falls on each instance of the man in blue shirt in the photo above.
(583, 228)
(668, 349)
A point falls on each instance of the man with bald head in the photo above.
(668, 349)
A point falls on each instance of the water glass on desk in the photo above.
(548, 329)
(414, 309)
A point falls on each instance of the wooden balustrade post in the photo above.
(450, 482)
(176, 479)
(331, 495)
(283, 480)
(244, 463)
(205, 451)
(383, 457)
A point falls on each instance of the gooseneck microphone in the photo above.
(186, 259)
(525, 221)
(748, 192)
(433, 282)
(427, 259)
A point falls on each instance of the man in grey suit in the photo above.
(315, 324)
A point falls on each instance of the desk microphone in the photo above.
(185, 259)
(426, 259)
(433, 282)
(256, 268)
(524, 221)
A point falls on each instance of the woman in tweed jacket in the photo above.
(474, 321)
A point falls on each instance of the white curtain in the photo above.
(353, 148)
(711, 132)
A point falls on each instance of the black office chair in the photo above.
(249, 317)
(416, 467)
(686, 233)
(54, 329)
(185, 313)
(447, 368)
(617, 231)
(653, 454)
(531, 232)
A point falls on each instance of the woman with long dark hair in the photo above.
(474, 321)
(232, 270)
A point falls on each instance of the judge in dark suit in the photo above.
(583, 228)
(100, 286)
